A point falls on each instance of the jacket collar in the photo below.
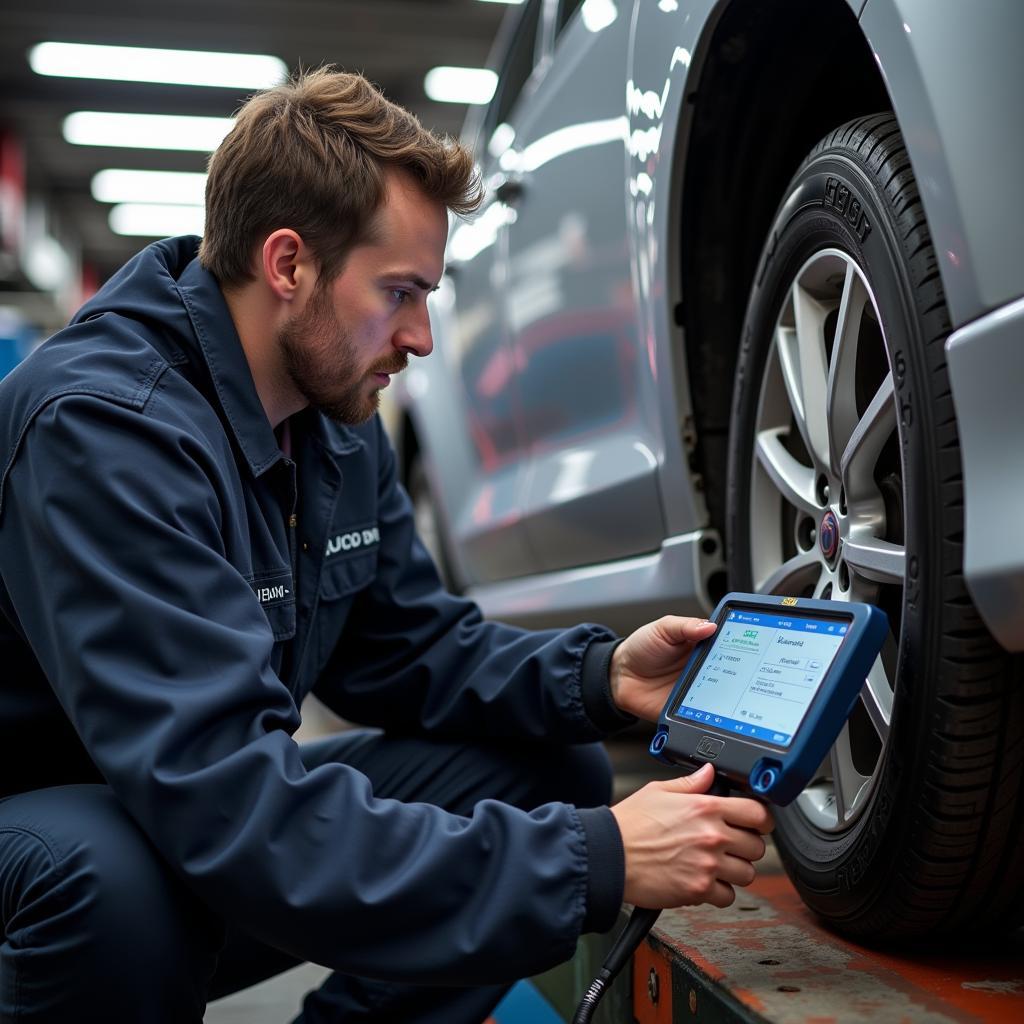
(229, 369)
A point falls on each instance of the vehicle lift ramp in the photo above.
(766, 960)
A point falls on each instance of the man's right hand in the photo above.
(684, 847)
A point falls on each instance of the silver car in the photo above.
(744, 309)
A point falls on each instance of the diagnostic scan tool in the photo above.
(765, 697)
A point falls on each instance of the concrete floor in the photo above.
(276, 1001)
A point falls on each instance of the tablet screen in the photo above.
(761, 674)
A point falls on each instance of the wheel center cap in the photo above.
(828, 535)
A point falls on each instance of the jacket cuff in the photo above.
(606, 876)
(596, 687)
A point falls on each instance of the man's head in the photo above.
(333, 201)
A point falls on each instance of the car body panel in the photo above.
(961, 123)
(986, 367)
(473, 492)
(620, 595)
(662, 43)
(593, 432)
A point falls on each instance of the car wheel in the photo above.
(845, 483)
(428, 522)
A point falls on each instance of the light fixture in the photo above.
(460, 85)
(143, 64)
(118, 185)
(146, 131)
(156, 220)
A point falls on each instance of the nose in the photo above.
(414, 337)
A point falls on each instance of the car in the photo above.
(743, 310)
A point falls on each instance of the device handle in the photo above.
(720, 787)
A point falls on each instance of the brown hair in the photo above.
(311, 155)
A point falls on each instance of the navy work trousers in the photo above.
(95, 927)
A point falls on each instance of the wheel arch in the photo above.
(767, 72)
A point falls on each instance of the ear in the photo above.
(286, 264)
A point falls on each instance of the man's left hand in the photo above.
(646, 665)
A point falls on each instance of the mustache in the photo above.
(391, 366)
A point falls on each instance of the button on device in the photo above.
(710, 747)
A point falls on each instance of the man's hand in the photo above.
(683, 847)
(646, 665)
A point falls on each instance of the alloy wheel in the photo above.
(827, 495)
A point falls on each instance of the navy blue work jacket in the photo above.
(173, 585)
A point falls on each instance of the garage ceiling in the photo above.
(393, 42)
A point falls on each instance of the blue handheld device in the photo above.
(767, 694)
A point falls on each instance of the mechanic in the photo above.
(200, 523)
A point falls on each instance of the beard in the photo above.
(322, 362)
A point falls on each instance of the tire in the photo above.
(914, 825)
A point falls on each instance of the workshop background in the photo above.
(66, 223)
(103, 145)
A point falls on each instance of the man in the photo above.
(200, 523)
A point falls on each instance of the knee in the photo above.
(83, 876)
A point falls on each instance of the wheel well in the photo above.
(774, 79)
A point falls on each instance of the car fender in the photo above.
(960, 123)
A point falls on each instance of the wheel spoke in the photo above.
(877, 698)
(866, 442)
(809, 316)
(793, 480)
(792, 576)
(847, 782)
(789, 364)
(875, 559)
(841, 404)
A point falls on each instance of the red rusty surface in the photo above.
(989, 985)
(769, 953)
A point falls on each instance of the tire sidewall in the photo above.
(834, 202)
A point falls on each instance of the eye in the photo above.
(399, 295)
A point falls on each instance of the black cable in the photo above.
(640, 922)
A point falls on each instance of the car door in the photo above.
(487, 528)
(584, 375)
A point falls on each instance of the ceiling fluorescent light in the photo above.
(146, 131)
(156, 220)
(460, 85)
(141, 64)
(117, 185)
